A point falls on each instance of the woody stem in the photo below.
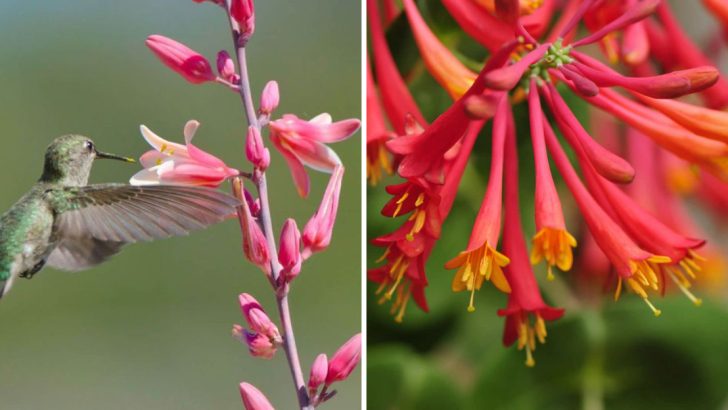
(259, 179)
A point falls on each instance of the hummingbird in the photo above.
(69, 225)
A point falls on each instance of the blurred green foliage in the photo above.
(616, 357)
(151, 328)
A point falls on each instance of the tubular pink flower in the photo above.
(582, 85)
(319, 229)
(319, 371)
(526, 310)
(606, 163)
(680, 141)
(639, 11)
(289, 252)
(423, 154)
(632, 264)
(396, 98)
(485, 28)
(670, 85)
(682, 52)
(480, 261)
(255, 151)
(243, 12)
(304, 143)
(172, 163)
(184, 61)
(425, 208)
(702, 121)
(552, 241)
(635, 44)
(378, 158)
(344, 361)
(440, 62)
(225, 66)
(253, 399)
(269, 98)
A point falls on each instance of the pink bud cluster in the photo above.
(326, 372)
(262, 337)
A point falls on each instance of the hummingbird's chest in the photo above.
(26, 234)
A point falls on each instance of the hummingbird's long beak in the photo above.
(105, 155)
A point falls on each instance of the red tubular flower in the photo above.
(480, 261)
(684, 53)
(632, 264)
(440, 62)
(526, 310)
(396, 98)
(423, 154)
(378, 158)
(409, 247)
(243, 12)
(552, 241)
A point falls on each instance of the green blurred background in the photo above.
(617, 356)
(151, 328)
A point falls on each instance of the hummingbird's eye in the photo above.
(89, 146)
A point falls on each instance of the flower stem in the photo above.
(259, 178)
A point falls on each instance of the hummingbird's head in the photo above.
(68, 160)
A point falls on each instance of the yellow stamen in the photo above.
(529, 333)
(684, 288)
(555, 246)
(378, 164)
(475, 267)
(396, 286)
(399, 203)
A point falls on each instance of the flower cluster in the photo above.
(536, 54)
(303, 144)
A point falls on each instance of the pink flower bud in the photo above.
(253, 399)
(263, 338)
(257, 319)
(289, 253)
(344, 360)
(186, 62)
(318, 230)
(225, 66)
(243, 12)
(255, 245)
(253, 204)
(258, 344)
(255, 151)
(269, 98)
(319, 370)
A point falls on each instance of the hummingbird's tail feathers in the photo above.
(5, 285)
(124, 213)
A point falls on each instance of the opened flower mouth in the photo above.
(174, 163)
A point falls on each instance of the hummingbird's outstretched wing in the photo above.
(74, 254)
(95, 221)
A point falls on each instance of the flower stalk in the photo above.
(261, 184)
